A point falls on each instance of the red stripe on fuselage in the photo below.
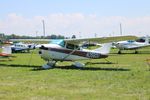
(76, 52)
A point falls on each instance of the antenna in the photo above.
(36, 33)
(43, 28)
(120, 29)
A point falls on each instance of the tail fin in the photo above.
(105, 49)
(7, 50)
(147, 39)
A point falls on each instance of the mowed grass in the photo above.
(127, 78)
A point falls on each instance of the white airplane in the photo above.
(131, 45)
(70, 50)
(21, 47)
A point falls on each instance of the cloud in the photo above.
(75, 23)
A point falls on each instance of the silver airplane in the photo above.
(131, 45)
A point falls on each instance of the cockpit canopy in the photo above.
(58, 42)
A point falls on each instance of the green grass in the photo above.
(127, 78)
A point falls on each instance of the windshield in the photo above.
(58, 41)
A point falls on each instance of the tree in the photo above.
(73, 36)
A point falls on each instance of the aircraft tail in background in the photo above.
(147, 39)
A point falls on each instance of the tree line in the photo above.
(53, 36)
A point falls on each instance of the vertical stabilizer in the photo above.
(105, 49)
(147, 39)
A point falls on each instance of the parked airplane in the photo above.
(21, 47)
(70, 50)
(6, 52)
(131, 45)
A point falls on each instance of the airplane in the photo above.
(70, 50)
(131, 45)
(6, 52)
(21, 47)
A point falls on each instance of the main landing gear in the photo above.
(78, 65)
(49, 65)
(119, 52)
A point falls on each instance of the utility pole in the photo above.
(36, 33)
(43, 28)
(120, 29)
(95, 35)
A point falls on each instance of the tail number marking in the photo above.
(92, 55)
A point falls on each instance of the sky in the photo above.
(83, 18)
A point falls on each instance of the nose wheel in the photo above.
(136, 52)
(119, 52)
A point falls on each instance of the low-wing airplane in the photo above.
(6, 52)
(131, 45)
(70, 50)
(21, 47)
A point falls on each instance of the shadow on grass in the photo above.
(83, 68)
(88, 63)
(16, 65)
(92, 68)
(131, 52)
(38, 68)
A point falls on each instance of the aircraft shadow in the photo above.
(123, 53)
(93, 68)
(38, 68)
(84, 68)
(16, 65)
(99, 63)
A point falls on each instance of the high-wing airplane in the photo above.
(70, 50)
(131, 45)
(6, 52)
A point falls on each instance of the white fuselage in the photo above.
(19, 47)
(59, 53)
(49, 54)
(129, 45)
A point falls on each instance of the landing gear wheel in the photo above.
(119, 52)
(136, 52)
(49, 65)
(78, 65)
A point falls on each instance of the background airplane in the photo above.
(131, 45)
(6, 52)
(22, 47)
(70, 50)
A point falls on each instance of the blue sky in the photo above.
(28, 9)
(130, 8)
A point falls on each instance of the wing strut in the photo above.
(69, 54)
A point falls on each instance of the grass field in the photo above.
(127, 78)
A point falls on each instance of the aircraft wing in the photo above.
(79, 41)
(100, 39)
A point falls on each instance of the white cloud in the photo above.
(75, 23)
